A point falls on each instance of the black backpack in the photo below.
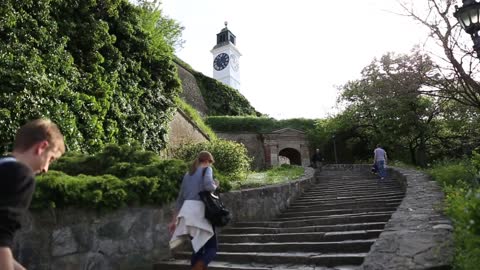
(215, 211)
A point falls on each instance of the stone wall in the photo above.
(71, 239)
(183, 130)
(130, 238)
(254, 144)
(264, 203)
(191, 92)
(418, 236)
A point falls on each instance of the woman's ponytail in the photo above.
(201, 157)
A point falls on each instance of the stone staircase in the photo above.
(331, 226)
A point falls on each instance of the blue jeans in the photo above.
(207, 252)
(381, 168)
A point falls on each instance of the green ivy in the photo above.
(102, 70)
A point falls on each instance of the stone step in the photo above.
(355, 181)
(317, 228)
(333, 202)
(333, 236)
(333, 216)
(305, 258)
(344, 198)
(351, 192)
(352, 246)
(355, 192)
(220, 265)
(318, 221)
(336, 212)
(215, 265)
(343, 205)
(307, 196)
(371, 188)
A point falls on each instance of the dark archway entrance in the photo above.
(293, 155)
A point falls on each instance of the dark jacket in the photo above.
(16, 190)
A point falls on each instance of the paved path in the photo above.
(331, 226)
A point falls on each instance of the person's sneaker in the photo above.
(383, 178)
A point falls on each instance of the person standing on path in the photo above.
(189, 217)
(380, 160)
(317, 159)
(37, 144)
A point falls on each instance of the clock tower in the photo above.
(226, 59)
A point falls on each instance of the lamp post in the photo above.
(468, 15)
(334, 148)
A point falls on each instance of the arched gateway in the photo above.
(286, 142)
(271, 149)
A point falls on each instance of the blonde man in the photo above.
(37, 144)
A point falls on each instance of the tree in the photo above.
(455, 76)
(387, 107)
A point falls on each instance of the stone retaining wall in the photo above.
(418, 236)
(183, 131)
(129, 238)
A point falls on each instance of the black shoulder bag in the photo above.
(215, 211)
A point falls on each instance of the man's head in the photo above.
(317, 150)
(38, 143)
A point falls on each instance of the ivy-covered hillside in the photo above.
(220, 98)
(102, 70)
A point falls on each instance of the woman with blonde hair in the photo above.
(189, 216)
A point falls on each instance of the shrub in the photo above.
(57, 189)
(453, 174)
(463, 207)
(232, 161)
(460, 182)
(117, 176)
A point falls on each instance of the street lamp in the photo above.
(334, 148)
(469, 18)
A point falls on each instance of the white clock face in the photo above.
(234, 61)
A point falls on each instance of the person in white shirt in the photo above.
(380, 160)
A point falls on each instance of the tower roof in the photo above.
(225, 37)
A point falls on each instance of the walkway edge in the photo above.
(419, 235)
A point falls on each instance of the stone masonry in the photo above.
(417, 236)
(128, 238)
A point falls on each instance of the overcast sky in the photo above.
(295, 54)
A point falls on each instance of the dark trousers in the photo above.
(207, 252)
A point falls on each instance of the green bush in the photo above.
(463, 207)
(117, 176)
(231, 159)
(57, 189)
(460, 182)
(453, 173)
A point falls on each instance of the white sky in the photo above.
(294, 53)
